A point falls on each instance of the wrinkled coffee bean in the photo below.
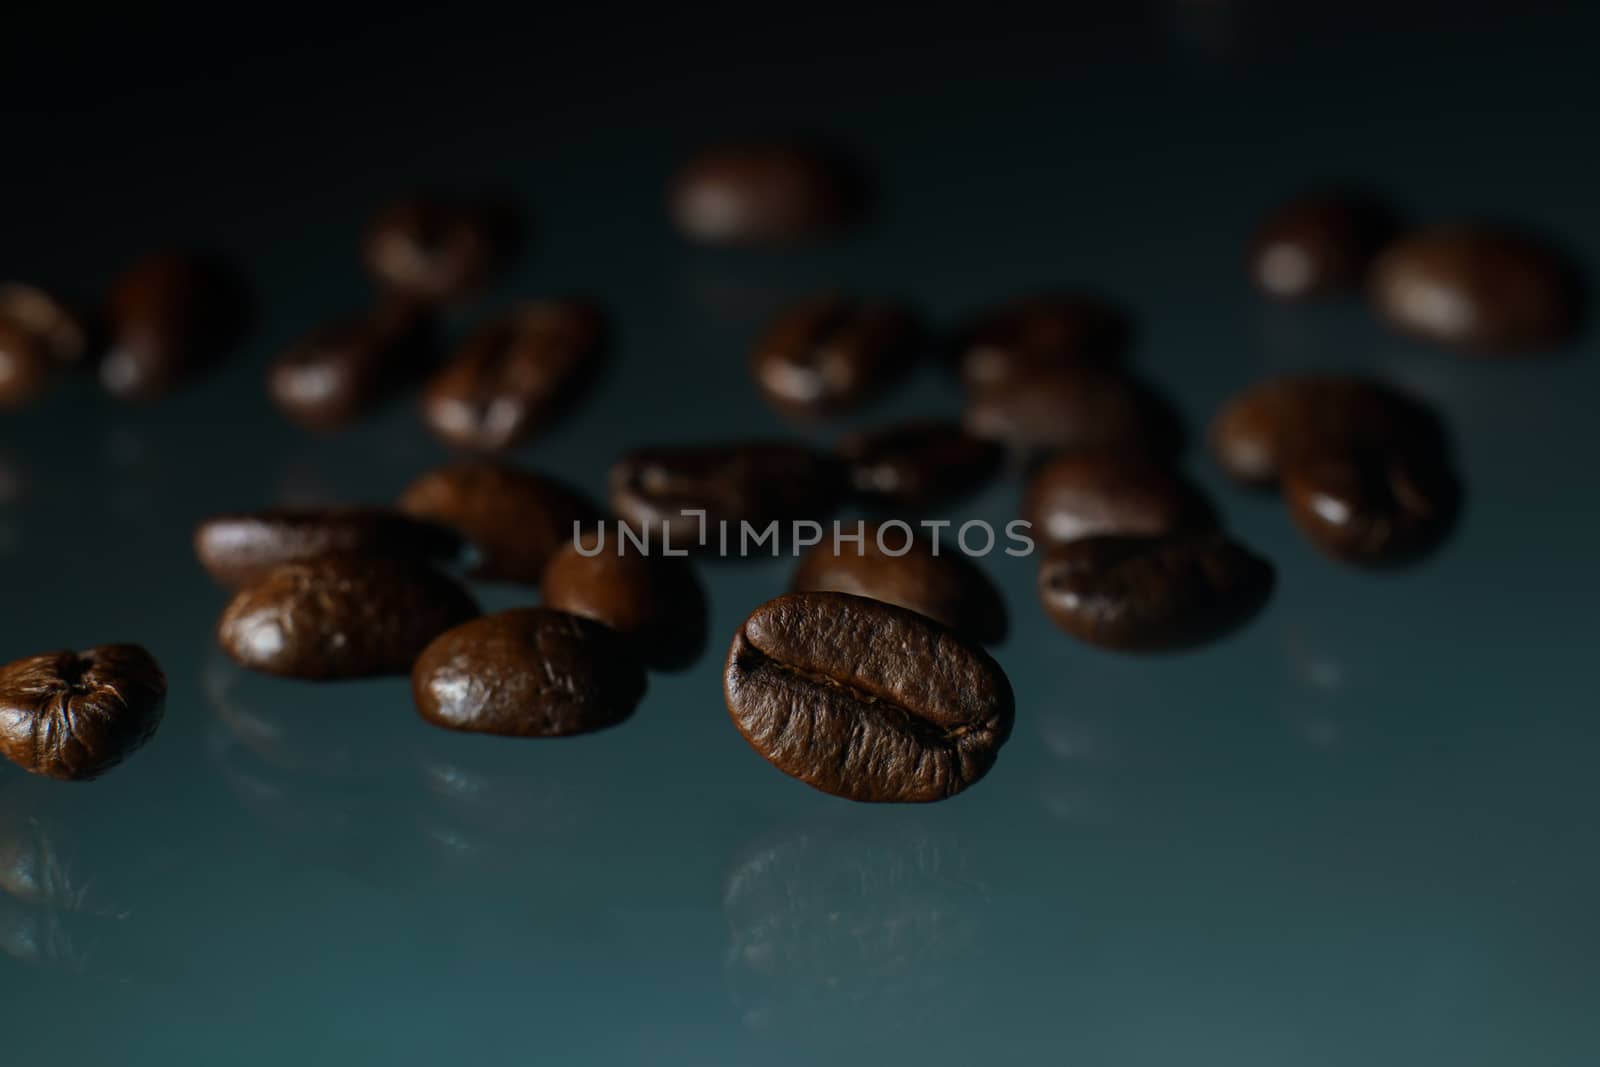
(25, 365)
(515, 375)
(833, 354)
(1320, 244)
(239, 549)
(348, 368)
(171, 317)
(439, 247)
(767, 194)
(1090, 494)
(1070, 410)
(529, 672)
(866, 700)
(917, 465)
(654, 602)
(758, 482)
(515, 518)
(61, 329)
(1375, 506)
(1478, 288)
(896, 566)
(1153, 594)
(75, 715)
(1039, 334)
(341, 617)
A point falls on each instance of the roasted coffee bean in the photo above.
(758, 482)
(917, 465)
(515, 518)
(1320, 244)
(833, 354)
(75, 715)
(1073, 409)
(654, 602)
(896, 566)
(768, 193)
(1039, 334)
(1478, 288)
(1153, 594)
(170, 318)
(530, 672)
(515, 375)
(866, 700)
(1267, 425)
(1373, 506)
(62, 330)
(439, 247)
(25, 365)
(239, 549)
(346, 369)
(341, 617)
(1090, 494)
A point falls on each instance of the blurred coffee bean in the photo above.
(1373, 506)
(1089, 494)
(75, 715)
(1041, 333)
(346, 369)
(655, 602)
(767, 193)
(1073, 409)
(833, 354)
(917, 465)
(239, 549)
(25, 365)
(1320, 244)
(171, 317)
(439, 247)
(60, 327)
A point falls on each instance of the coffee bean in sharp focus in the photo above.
(529, 672)
(1090, 494)
(833, 354)
(1479, 288)
(1373, 506)
(341, 617)
(515, 375)
(439, 247)
(1320, 244)
(654, 602)
(1041, 333)
(171, 317)
(1153, 594)
(866, 700)
(918, 464)
(767, 193)
(75, 715)
(348, 368)
(898, 567)
(239, 549)
(1073, 409)
(514, 518)
(62, 329)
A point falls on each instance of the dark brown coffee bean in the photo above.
(515, 375)
(515, 518)
(1039, 334)
(530, 672)
(833, 354)
(1373, 506)
(25, 365)
(1478, 288)
(75, 715)
(1070, 410)
(865, 700)
(239, 549)
(171, 317)
(917, 465)
(341, 617)
(766, 194)
(759, 482)
(1320, 244)
(654, 602)
(62, 330)
(346, 369)
(1091, 494)
(439, 247)
(1153, 594)
(897, 567)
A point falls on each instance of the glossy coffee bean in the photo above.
(530, 672)
(1373, 507)
(1319, 244)
(897, 567)
(438, 247)
(917, 465)
(766, 193)
(866, 700)
(1090, 494)
(61, 328)
(346, 369)
(75, 715)
(514, 518)
(1076, 409)
(240, 549)
(1039, 334)
(1153, 594)
(171, 317)
(341, 617)
(654, 602)
(833, 354)
(25, 365)
(758, 482)
(515, 375)
(1478, 288)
